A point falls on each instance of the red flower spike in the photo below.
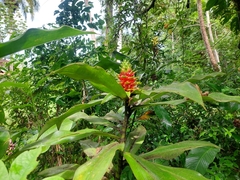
(127, 78)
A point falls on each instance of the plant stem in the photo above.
(128, 112)
(119, 165)
(119, 155)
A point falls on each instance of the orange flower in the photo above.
(127, 77)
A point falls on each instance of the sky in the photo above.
(45, 14)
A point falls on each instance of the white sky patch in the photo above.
(45, 14)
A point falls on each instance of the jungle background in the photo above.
(165, 42)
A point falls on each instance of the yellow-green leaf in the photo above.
(95, 168)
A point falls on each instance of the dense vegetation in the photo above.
(154, 96)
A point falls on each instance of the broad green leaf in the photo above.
(62, 136)
(135, 139)
(210, 4)
(199, 159)
(12, 84)
(66, 125)
(3, 171)
(143, 169)
(2, 116)
(57, 170)
(68, 174)
(92, 119)
(172, 151)
(24, 164)
(201, 77)
(97, 166)
(107, 98)
(107, 63)
(4, 141)
(163, 115)
(220, 97)
(34, 37)
(96, 75)
(58, 120)
(173, 102)
(185, 89)
(89, 147)
(113, 117)
(54, 178)
(139, 171)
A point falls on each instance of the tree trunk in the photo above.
(212, 39)
(205, 37)
(120, 33)
(108, 16)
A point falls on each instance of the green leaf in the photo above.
(66, 125)
(220, 97)
(210, 4)
(24, 164)
(97, 166)
(135, 139)
(54, 178)
(172, 151)
(92, 119)
(107, 98)
(107, 63)
(89, 147)
(3, 171)
(62, 136)
(185, 89)
(113, 117)
(12, 84)
(173, 102)
(96, 75)
(144, 169)
(34, 37)
(199, 77)
(58, 170)
(58, 120)
(163, 115)
(199, 159)
(4, 141)
(2, 117)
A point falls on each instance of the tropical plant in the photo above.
(119, 140)
(120, 123)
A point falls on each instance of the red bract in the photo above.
(127, 78)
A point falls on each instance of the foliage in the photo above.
(228, 12)
(67, 98)
(62, 136)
